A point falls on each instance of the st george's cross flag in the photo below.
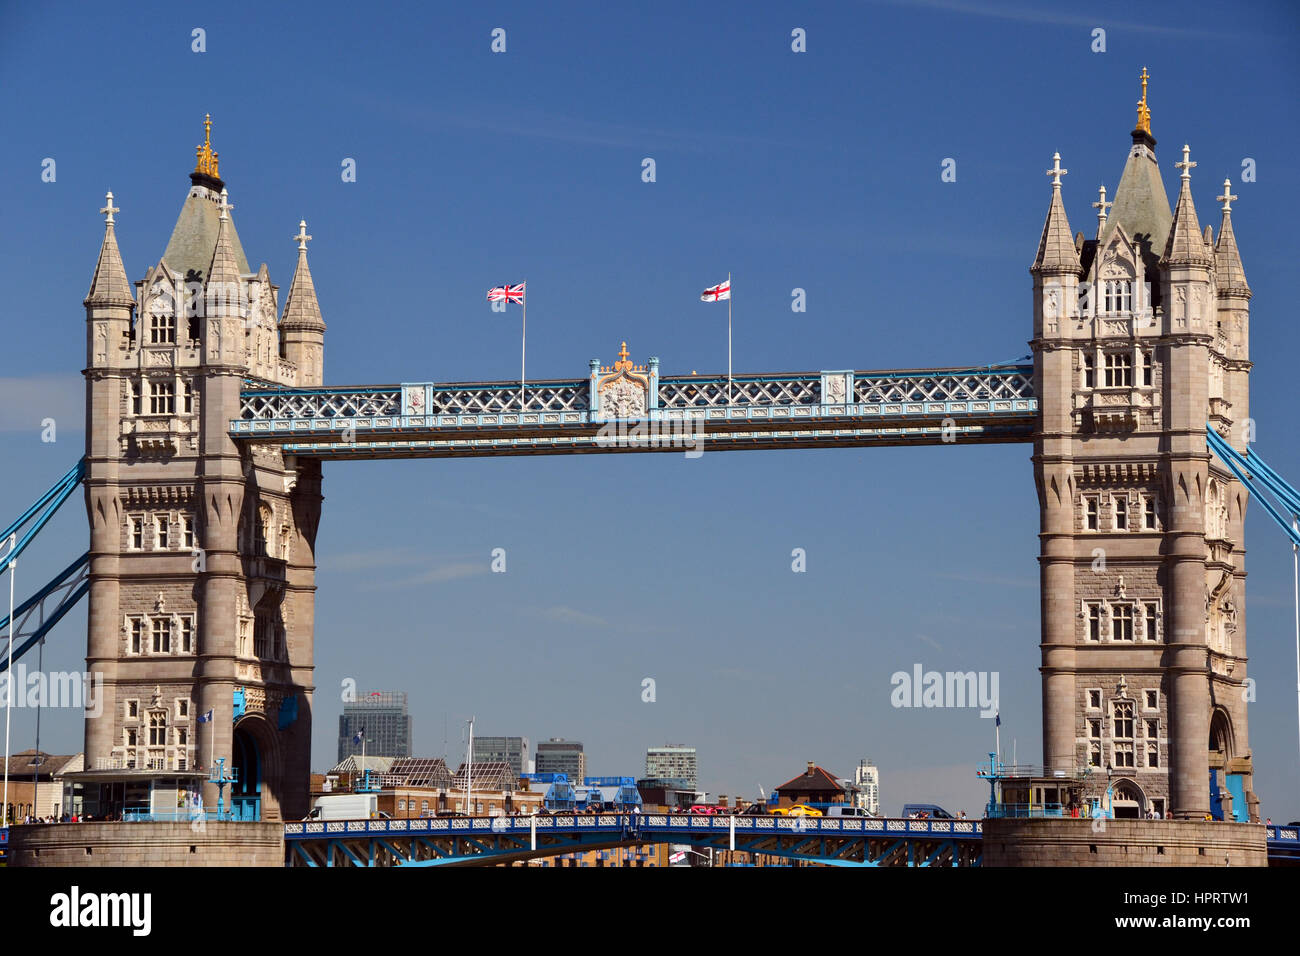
(714, 293)
(507, 293)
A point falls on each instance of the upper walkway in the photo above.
(701, 412)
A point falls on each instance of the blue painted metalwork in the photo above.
(51, 501)
(926, 406)
(440, 841)
(288, 711)
(1253, 472)
(69, 585)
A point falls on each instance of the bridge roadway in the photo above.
(801, 410)
(488, 841)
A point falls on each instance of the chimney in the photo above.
(811, 765)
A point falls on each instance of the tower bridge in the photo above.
(208, 420)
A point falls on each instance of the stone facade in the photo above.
(1123, 843)
(1140, 340)
(148, 844)
(202, 563)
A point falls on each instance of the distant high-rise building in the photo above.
(512, 750)
(383, 716)
(866, 783)
(558, 755)
(673, 763)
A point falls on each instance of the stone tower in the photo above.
(202, 574)
(1140, 341)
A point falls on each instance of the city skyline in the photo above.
(607, 555)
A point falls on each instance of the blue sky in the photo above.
(818, 171)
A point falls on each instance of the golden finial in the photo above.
(207, 159)
(623, 364)
(1144, 112)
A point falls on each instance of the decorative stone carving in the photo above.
(624, 389)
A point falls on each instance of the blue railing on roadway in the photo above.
(647, 823)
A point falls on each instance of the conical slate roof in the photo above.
(222, 288)
(1186, 245)
(109, 286)
(189, 251)
(301, 310)
(1227, 260)
(1056, 249)
(1141, 204)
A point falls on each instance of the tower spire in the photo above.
(1101, 206)
(301, 310)
(1186, 245)
(109, 286)
(1229, 275)
(1056, 251)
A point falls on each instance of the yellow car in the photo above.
(798, 810)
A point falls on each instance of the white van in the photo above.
(845, 810)
(346, 806)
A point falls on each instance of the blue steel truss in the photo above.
(1253, 472)
(488, 841)
(34, 618)
(926, 406)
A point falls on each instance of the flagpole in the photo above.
(729, 337)
(523, 350)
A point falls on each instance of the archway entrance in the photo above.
(1227, 790)
(1128, 801)
(246, 794)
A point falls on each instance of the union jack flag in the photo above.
(510, 293)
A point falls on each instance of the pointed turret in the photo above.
(222, 287)
(302, 330)
(1141, 204)
(301, 310)
(109, 286)
(1227, 260)
(1185, 245)
(189, 250)
(109, 303)
(1056, 249)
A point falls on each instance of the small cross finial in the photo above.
(1101, 205)
(225, 205)
(1056, 172)
(622, 353)
(1227, 196)
(302, 236)
(110, 208)
(1187, 164)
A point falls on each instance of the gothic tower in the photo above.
(1140, 341)
(202, 581)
